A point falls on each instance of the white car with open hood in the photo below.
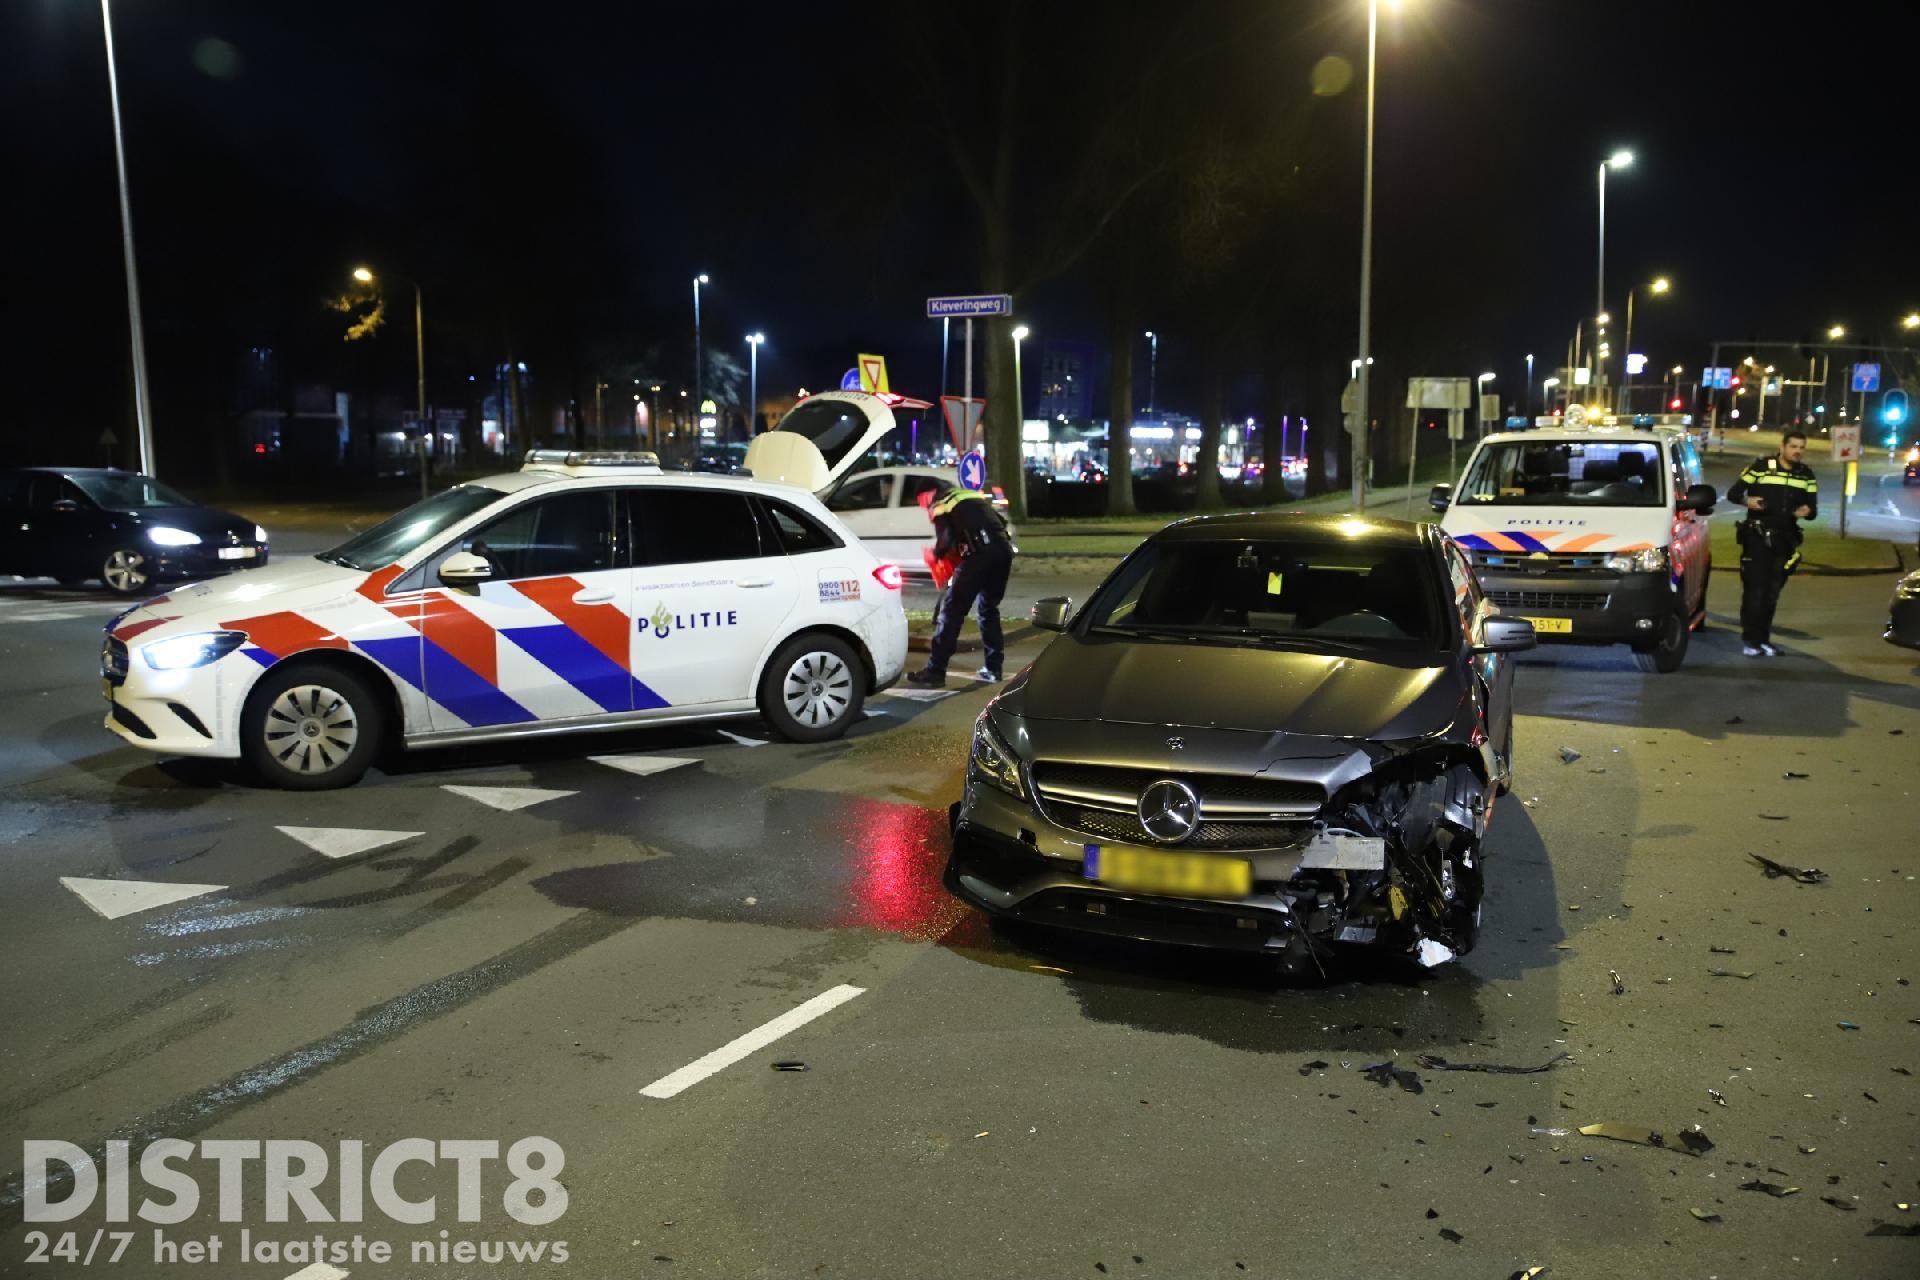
(585, 591)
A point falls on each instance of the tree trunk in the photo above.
(1120, 421)
(1206, 467)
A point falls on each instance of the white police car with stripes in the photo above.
(585, 591)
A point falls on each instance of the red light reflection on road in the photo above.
(898, 852)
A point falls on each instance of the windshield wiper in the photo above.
(330, 558)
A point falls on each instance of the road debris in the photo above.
(1775, 870)
(1308, 1068)
(1719, 1098)
(1449, 1234)
(1050, 968)
(1791, 774)
(1385, 1073)
(1894, 1229)
(1729, 973)
(1529, 1274)
(1619, 985)
(1773, 1189)
(1848, 1026)
(1568, 755)
(1846, 1205)
(1539, 1132)
(1701, 1215)
(1434, 1062)
(1690, 1141)
(790, 1065)
(1721, 951)
(1773, 817)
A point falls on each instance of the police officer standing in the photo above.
(1777, 492)
(965, 521)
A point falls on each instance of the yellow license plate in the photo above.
(1185, 875)
(1557, 626)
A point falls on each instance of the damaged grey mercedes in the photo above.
(1278, 733)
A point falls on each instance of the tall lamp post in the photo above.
(698, 389)
(1153, 367)
(1618, 160)
(1660, 285)
(143, 408)
(753, 380)
(1020, 333)
(1527, 408)
(366, 276)
(1546, 393)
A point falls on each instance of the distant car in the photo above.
(721, 459)
(1912, 473)
(882, 507)
(1264, 732)
(125, 529)
(1903, 613)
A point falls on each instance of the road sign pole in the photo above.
(967, 379)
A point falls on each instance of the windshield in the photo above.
(395, 536)
(1567, 473)
(128, 492)
(1302, 594)
(835, 426)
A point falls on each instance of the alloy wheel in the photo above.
(311, 729)
(125, 571)
(818, 689)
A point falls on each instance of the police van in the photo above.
(1594, 530)
(585, 591)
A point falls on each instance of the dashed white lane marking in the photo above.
(758, 1038)
(115, 898)
(344, 842)
(642, 766)
(920, 695)
(319, 1271)
(743, 741)
(507, 798)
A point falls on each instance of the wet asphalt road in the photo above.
(995, 1105)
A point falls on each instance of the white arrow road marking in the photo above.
(642, 766)
(115, 898)
(745, 742)
(507, 798)
(319, 1271)
(758, 1038)
(344, 842)
(920, 695)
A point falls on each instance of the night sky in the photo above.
(555, 174)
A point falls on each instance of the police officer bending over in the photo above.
(965, 521)
(1778, 492)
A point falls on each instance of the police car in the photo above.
(585, 591)
(1593, 530)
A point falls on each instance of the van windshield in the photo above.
(1566, 473)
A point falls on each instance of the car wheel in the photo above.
(1665, 654)
(310, 726)
(125, 571)
(813, 689)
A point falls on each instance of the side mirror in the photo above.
(1051, 613)
(1441, 497)
(1506, 635)
(1701, 498)
(465, 569)
(65, 504)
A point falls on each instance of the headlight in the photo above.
(993, 760)
(260, 534)
(165, 537)
(195, 650)
(1645, 560)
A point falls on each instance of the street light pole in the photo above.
(143, 408)
(1153, 365)
(1020, 333)
(698, 390)
(1618, 160)
(753, 380)
(1358, 459)
(1527, 408)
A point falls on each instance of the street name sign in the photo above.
(966, 305)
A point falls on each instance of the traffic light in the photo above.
(1674, 404)
(1893, 407)
(1736, 380)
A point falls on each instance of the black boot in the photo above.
(927, 678)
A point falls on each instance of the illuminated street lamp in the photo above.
(365, 275)
(143, 407)
(697, 385)
(1153, 363)
(753, 380)
(1020, 333)
(1911, 320)
(1364, 367)
(1658, 285)
(1618, 160)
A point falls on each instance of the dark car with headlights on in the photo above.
(1275, 733)
(123, 528)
